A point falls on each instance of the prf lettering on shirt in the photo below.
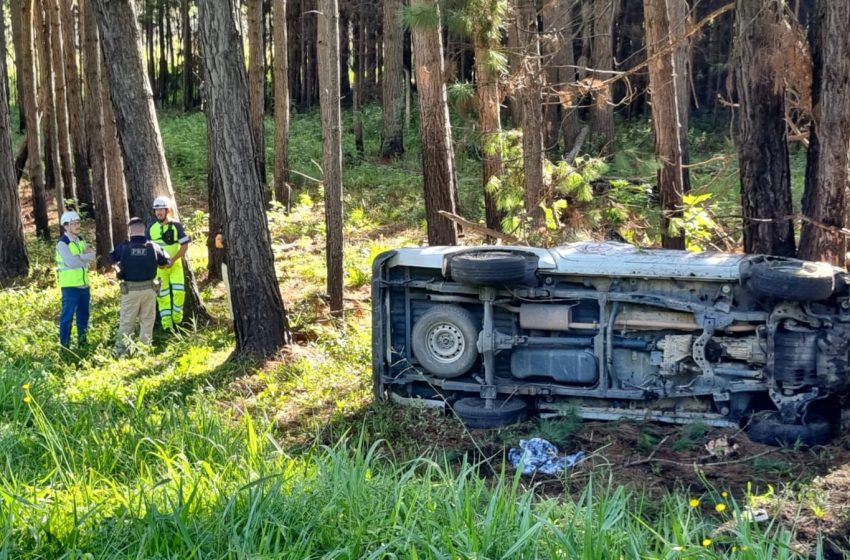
(138, 251)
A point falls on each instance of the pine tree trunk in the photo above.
(94, 124)
(188, 61)
(763, 150)
(530, 96)
(17, 44)
(145, 167)
(259, 317)
(392, 123)
(53, 179)
(489, 100)
(113, 162)
(666, 80)
(13, 250)
(827, 181)
(57, 62)
(560, 27)
(33, 137)
(515, 62)
(76, 129)
(147, 18)
(256, 96)
(602, 109)
(163, 61)
(332, 148)
(215, 256)
(4, 69)
(438, 168)
(359, 88)
(281, 105)
(344, 51)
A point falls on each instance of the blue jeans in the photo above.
(74, 301)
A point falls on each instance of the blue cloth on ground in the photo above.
(538, 455)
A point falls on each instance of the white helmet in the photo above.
(161, 202)
(68, 217)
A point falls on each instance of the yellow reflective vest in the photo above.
(72, 277)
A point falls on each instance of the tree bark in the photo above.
(667, 79)
(36, 171)
(281, 105)
(256, 98)
(489, 101)
(438, 166)
(53, 178)
(188, 62)
(259, 317)
(763, 150)
(94, 123)
(163, 52)
(359, 89)
(825, 196)
(113, 161)
(13, 250)
(215, 256)
(4, 69)
(392, 117)
(76, 129)
(602, 110)
(331, 148)
(17, 44)
(558, 21)
(345, 51)
(145, 167)
(60, 104)
(531, 97)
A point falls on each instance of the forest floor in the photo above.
(319, 389)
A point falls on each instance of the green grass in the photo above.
(180, 453)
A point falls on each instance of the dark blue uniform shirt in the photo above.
(139, 259)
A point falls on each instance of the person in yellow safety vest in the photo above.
(72, 271)
(170, 235)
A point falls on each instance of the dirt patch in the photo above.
(806, 489)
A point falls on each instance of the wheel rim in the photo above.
(445, 342)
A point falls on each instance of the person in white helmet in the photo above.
(170, 235)
(72, 271)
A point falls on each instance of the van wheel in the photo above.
(494, 268)
(444, 340)
(472, 411)
(770, 430)
(792, 280)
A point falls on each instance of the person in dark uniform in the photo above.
(138, 259)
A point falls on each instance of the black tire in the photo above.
(770, 430)
(472, 411)
(791, 279)
(494, 268)
(444, 340)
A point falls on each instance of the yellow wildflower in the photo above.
(725, 494)
(25, 386)
(694, 502)
(27, 399)
(706, 542)
(719, 507)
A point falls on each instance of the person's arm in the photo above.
(115, 256)
(71, 260)
(183, 240)
(161, 256)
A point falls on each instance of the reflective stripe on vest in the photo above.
(156, 232)
(72, 277)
